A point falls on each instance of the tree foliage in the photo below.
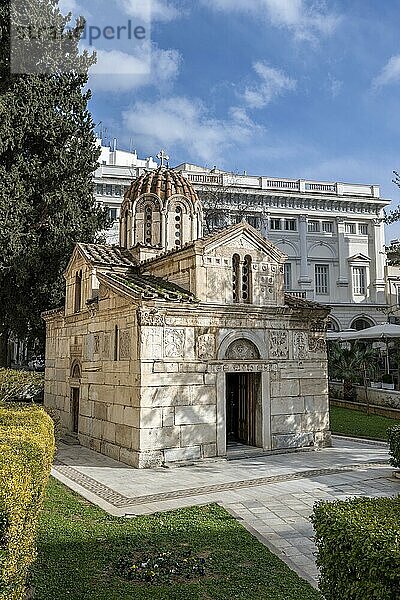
(47, 156)
(350, 364)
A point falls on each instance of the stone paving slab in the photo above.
(271, 495)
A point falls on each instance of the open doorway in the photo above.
(243, 409)
(75, 409)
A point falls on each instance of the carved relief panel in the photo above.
(124, 344)
(174, 343)
(152, 342)
(300, 345)
(278, 344)
(242, 350)
(206, 346)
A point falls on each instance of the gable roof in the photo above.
(146, 287)
(110, 256)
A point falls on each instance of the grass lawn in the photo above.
(358, 424)
(79, 546)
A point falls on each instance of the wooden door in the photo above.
(75, 409)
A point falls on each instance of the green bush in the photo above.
(20, 385)
(26, 454)
(394, 445)
(358, 548)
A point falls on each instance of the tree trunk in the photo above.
(348, 390)
(4, 349)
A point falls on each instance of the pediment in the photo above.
(243, 236)
(359, 258)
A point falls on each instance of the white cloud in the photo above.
(69, 6)
(156, 10)
(334, 85)
(273, 83)
(304, 18)
(389, 74)
(186, 124)
(118, 71)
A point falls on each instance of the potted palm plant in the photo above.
(351, 365)
(387, 382)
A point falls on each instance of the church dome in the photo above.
(164, 183)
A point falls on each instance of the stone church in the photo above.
(175, 345)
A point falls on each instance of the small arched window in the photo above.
(178, 226)
(246, 281)
(236, 277)
(78, 292)
(148, 224)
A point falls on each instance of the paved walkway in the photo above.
(272, 495)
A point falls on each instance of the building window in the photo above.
(322, 279)
(109, 189)
(398, 295)
(327, 226)
(78, 292)
(313, 226)
(275, 224)
(116, 343)
(287, 276)
(359, 281)
(118, 190)
(254, 221)
(148, 224)
(99, 189)
(246, 280)
(350, 228)
(235, 277)
(178, 226)
(363, 228)
(290, 225)
(359, 324)
(112, 214)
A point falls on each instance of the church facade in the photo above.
(174, 344)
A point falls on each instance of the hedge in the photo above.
(394, 445)
(358, 548)
(26, 454)
(20, 385)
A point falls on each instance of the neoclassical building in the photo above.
(331, 232)
(174, 344)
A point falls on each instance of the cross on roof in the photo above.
(162, 156)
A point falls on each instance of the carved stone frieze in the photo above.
(278, 344)
(316, 343)
(124, 344)
(206, 346)
(300, 345)
(106, 346)
(174, 343)
(151, 318)
(152, 342)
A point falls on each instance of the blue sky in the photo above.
(287, 88)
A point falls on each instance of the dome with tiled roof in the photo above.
(161, 211)
(164, 183)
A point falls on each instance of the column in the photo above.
(343, 279)
(379, 260)
(304, 279)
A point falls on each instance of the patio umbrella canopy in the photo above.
(384, 331)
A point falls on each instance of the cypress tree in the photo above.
(48, 153)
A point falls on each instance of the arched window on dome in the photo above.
(236, 277)
(178, 226)
(247, 291)
(148, 223)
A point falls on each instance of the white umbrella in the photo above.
(378, 332)
(384, 331)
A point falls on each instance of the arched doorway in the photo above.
(75, 397)
(243, 397)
